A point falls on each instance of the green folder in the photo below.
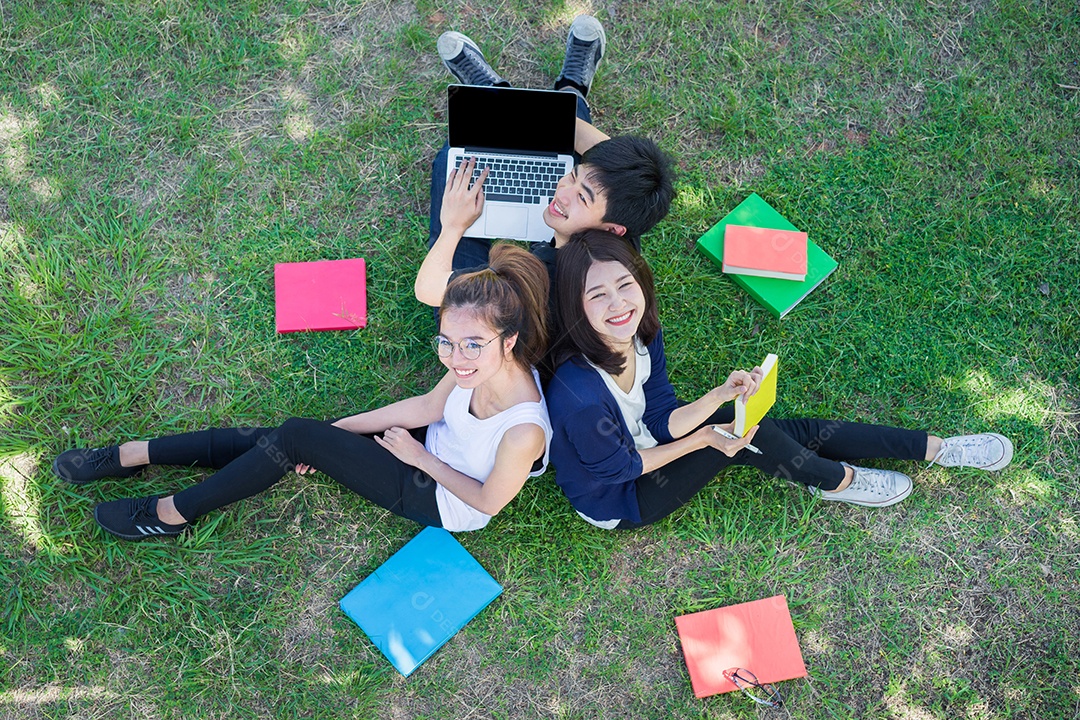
(778, 296)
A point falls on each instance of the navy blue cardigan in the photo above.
(592, 450)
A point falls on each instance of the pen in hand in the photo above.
(729, 436)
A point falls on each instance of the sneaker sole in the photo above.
(602, 37)
(1006, 458)
(861, 503)
(459, 41)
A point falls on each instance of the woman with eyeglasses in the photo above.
(450, 458)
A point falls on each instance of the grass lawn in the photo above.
(157, 158)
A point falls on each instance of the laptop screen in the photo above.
(511, 119)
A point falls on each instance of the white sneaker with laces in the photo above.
(870, 487)
(985, 451)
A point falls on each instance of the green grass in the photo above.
(157, 158)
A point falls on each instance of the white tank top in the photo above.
(468, 444)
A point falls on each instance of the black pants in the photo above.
(803, 451)
(250, 460)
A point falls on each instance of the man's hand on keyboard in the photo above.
(463, 200)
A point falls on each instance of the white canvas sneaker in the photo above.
(870, 487)
(986, 451)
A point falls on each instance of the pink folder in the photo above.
(757, 636)
(321, 295)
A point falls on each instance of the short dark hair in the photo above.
(637, 179)
(575, 335)
(510, 295)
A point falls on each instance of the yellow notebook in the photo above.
(749, 413)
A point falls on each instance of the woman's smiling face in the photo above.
(613, 302)
(458, 324)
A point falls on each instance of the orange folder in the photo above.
(321, 295)
(757, 636)
(765, 252)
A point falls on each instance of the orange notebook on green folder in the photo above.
(765, 252)
(757, 636)
(750, 412)
(778, 296)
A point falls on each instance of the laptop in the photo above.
(526, 139)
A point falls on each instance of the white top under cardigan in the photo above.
(469, 444)
(632, 405)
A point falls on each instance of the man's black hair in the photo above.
(637, 178)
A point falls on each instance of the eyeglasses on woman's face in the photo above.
(470, 349)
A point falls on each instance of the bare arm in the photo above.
(659, 456)
(689, 416)
(585, 136)
(412, 412)
(436, 269)
(461, 207)
(518, 450)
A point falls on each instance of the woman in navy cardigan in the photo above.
(627, 453)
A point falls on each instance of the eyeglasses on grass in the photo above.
(762, 694)
(470, 349)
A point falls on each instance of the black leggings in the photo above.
(803, 451)
(250, 460)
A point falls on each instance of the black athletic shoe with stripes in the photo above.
(85, 465)
(135, 519)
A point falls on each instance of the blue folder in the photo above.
(420, 597)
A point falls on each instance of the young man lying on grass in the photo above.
(623, 185)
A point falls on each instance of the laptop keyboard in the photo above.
(524, 180)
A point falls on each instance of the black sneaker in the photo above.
(465, 62)
(584, 47)
(134, 519)
(84, 465)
